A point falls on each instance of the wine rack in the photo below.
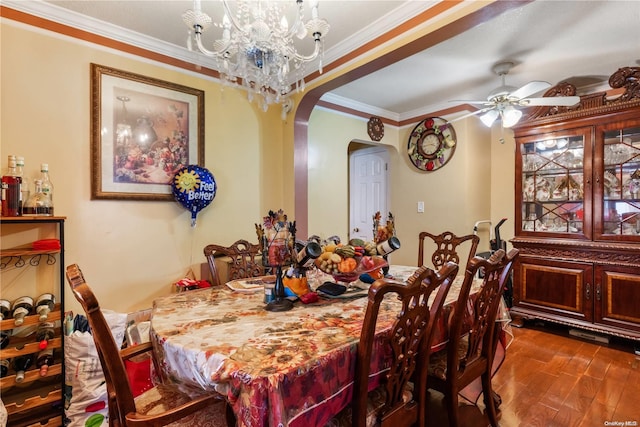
(37, 400)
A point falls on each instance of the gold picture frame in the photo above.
(142, 130)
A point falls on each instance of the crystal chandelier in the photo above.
(256, 51)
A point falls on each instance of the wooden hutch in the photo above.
(577, 216)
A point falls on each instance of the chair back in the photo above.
(448, 247)
(410, 335)
(119, 394)
(244, 261)
(480, 311)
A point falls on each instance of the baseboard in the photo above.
(587, 335)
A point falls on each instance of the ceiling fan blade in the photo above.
(529, 89)
(559, 101)
(473, 113)
(466, 101)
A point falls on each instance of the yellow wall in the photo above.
(455, 196)
(130, 251)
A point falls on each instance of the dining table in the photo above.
(293, 368)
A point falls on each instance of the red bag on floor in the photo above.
(139, 373)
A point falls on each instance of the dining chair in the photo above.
(448, 246)
(244, 260)
(473, 335)
(393, 403)
(161, 405)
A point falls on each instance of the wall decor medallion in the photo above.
(431, 144)
(375, 128)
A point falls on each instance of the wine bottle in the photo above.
(39, 203)
(24, 182)
(388, 246)
(308, 254)
(11, 190)
(21, 364)
(20, 308)
(5, 337)
(47, 185)
(44, 360)
(4, 367)
(45, 332)
(5, 309)
(44, 305)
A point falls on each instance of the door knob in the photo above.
(356, 229)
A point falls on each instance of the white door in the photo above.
(368, 182)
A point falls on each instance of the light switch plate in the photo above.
(420, 207)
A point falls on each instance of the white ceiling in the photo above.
(583, 41)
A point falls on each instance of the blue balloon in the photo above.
(194, 187)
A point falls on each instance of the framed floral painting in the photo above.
(142, 131)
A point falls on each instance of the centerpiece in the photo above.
(276, 236)
(346, 263)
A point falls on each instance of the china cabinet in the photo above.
(577, 195)
(36, 400)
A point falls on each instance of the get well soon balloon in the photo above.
(194, 187)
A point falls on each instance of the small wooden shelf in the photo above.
(33, 319)
(30, 376)
(32, 219)
(37, 401)
(31, 398)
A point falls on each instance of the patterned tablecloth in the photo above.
(292, 368)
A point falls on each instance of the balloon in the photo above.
(194, 187)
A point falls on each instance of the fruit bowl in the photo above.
(365, 264)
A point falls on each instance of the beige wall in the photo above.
(130, 251)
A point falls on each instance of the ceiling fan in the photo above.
(505, 101)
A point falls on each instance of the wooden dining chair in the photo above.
(244, 260)
(161, 405)
(393, 404)
(448, 246)
(471, 348)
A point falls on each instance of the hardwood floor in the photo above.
(550, 379)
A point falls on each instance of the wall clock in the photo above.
(431, 144)
(375, 128)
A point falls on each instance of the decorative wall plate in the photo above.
(431, 144)
(375, 128)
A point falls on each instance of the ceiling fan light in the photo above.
(489, 117)
(510, 117)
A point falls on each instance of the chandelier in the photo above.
(256, 50)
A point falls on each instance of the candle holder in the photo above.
(276, 236)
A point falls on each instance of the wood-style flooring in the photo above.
(550, 379)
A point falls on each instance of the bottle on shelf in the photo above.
(21, 307)
(308, 254)
(21, 364)
(44, 360)
(44, 305)
(388, 246)
(45, 332)
(24, 182)
(5, 309)
(4, 367)
(47, 185)
(11, 190)
(5, 337)
(39, 203)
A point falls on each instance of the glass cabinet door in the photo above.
(553, 185)
(618, 185)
